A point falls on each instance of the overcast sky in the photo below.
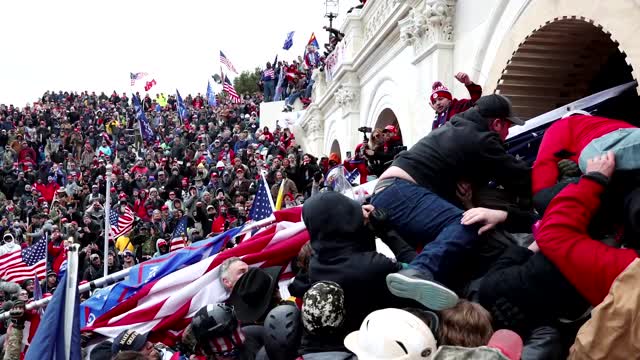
(94, 45)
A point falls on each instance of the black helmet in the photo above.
(283, 330)
(213, 321)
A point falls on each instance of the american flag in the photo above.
(228, 87)
(23, 264)
(224, 60)
(262, 206)
(137, 76)
(121, 224)
(177, 241)
(164, 306)
(269, 72)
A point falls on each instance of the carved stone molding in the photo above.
(378, 17)
(348, 97)
(313, 127)
(431, 21)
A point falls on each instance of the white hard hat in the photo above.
(392, 334)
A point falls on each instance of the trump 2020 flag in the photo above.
(105, 299)
(182, 109)
(211, 96)
(145, 128)
(48, 342)
(288, 43)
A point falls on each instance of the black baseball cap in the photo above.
(128, 340)
(497, 106)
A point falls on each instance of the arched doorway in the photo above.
(565, 60)
(388, 117)
(335, 148)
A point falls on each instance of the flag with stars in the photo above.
(22, 264)
(121, 224)
(262, 206)
(177, 240)
(145, 128)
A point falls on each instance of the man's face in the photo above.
(235, 272)
(279, 176)
(501, 127)
(23, 295)
(441, 104)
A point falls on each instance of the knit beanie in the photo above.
(439, 90)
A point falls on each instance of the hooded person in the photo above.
(162, 247)
(344, 252)
(8, 244)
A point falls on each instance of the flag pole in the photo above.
(70, 296)
(107, 222)
(266, 187)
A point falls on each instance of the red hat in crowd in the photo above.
(390, 128)
(238, 170)
(439, 90)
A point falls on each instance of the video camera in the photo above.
(364, 130)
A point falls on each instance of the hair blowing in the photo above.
(467, 324)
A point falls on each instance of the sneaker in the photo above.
(419, 286)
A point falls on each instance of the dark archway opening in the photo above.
(388, 117)
(335, 148)
(563, 61)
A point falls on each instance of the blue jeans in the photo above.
(269, 90)
(307, 92)
(293, 97)
(421, 216)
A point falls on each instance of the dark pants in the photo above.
(421, 216)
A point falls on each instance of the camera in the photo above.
(365, 129)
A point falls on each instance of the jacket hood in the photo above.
(472, 115)
(335, 222)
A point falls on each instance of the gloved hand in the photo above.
(568, 169)
(17, 314)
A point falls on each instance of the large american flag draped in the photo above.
(165, 306)
(177, 241)
(136, 76)
(121, 224)
(23, 264)
(228, 87)
(227, 63)
(262, 206)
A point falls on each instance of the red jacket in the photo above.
(58, 253)
(458, 105)
(48, 190)
(589, 265)
(571, 134)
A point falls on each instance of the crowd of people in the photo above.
(462, 250)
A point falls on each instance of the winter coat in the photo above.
(464, 148)
(591, 266)
(344, 252)
(566, 139)
(458, 105)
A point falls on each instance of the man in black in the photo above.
(419, 189)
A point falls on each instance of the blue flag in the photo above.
(211, 96)
(288, 43)
(48, 342)
(105, 299)
(182, 109)
(145, 128)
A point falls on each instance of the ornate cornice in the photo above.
(430, 22)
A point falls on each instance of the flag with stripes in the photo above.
(226, 62)
(22, 264)
(164, 307)
(177, 238)
(121, 224)
(136, 76)
(269, 73)
(352, 175)
(229, 89)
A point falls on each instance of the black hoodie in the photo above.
(464, 149)
(344, 252)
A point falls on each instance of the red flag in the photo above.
(149, 85)
(165, 306)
